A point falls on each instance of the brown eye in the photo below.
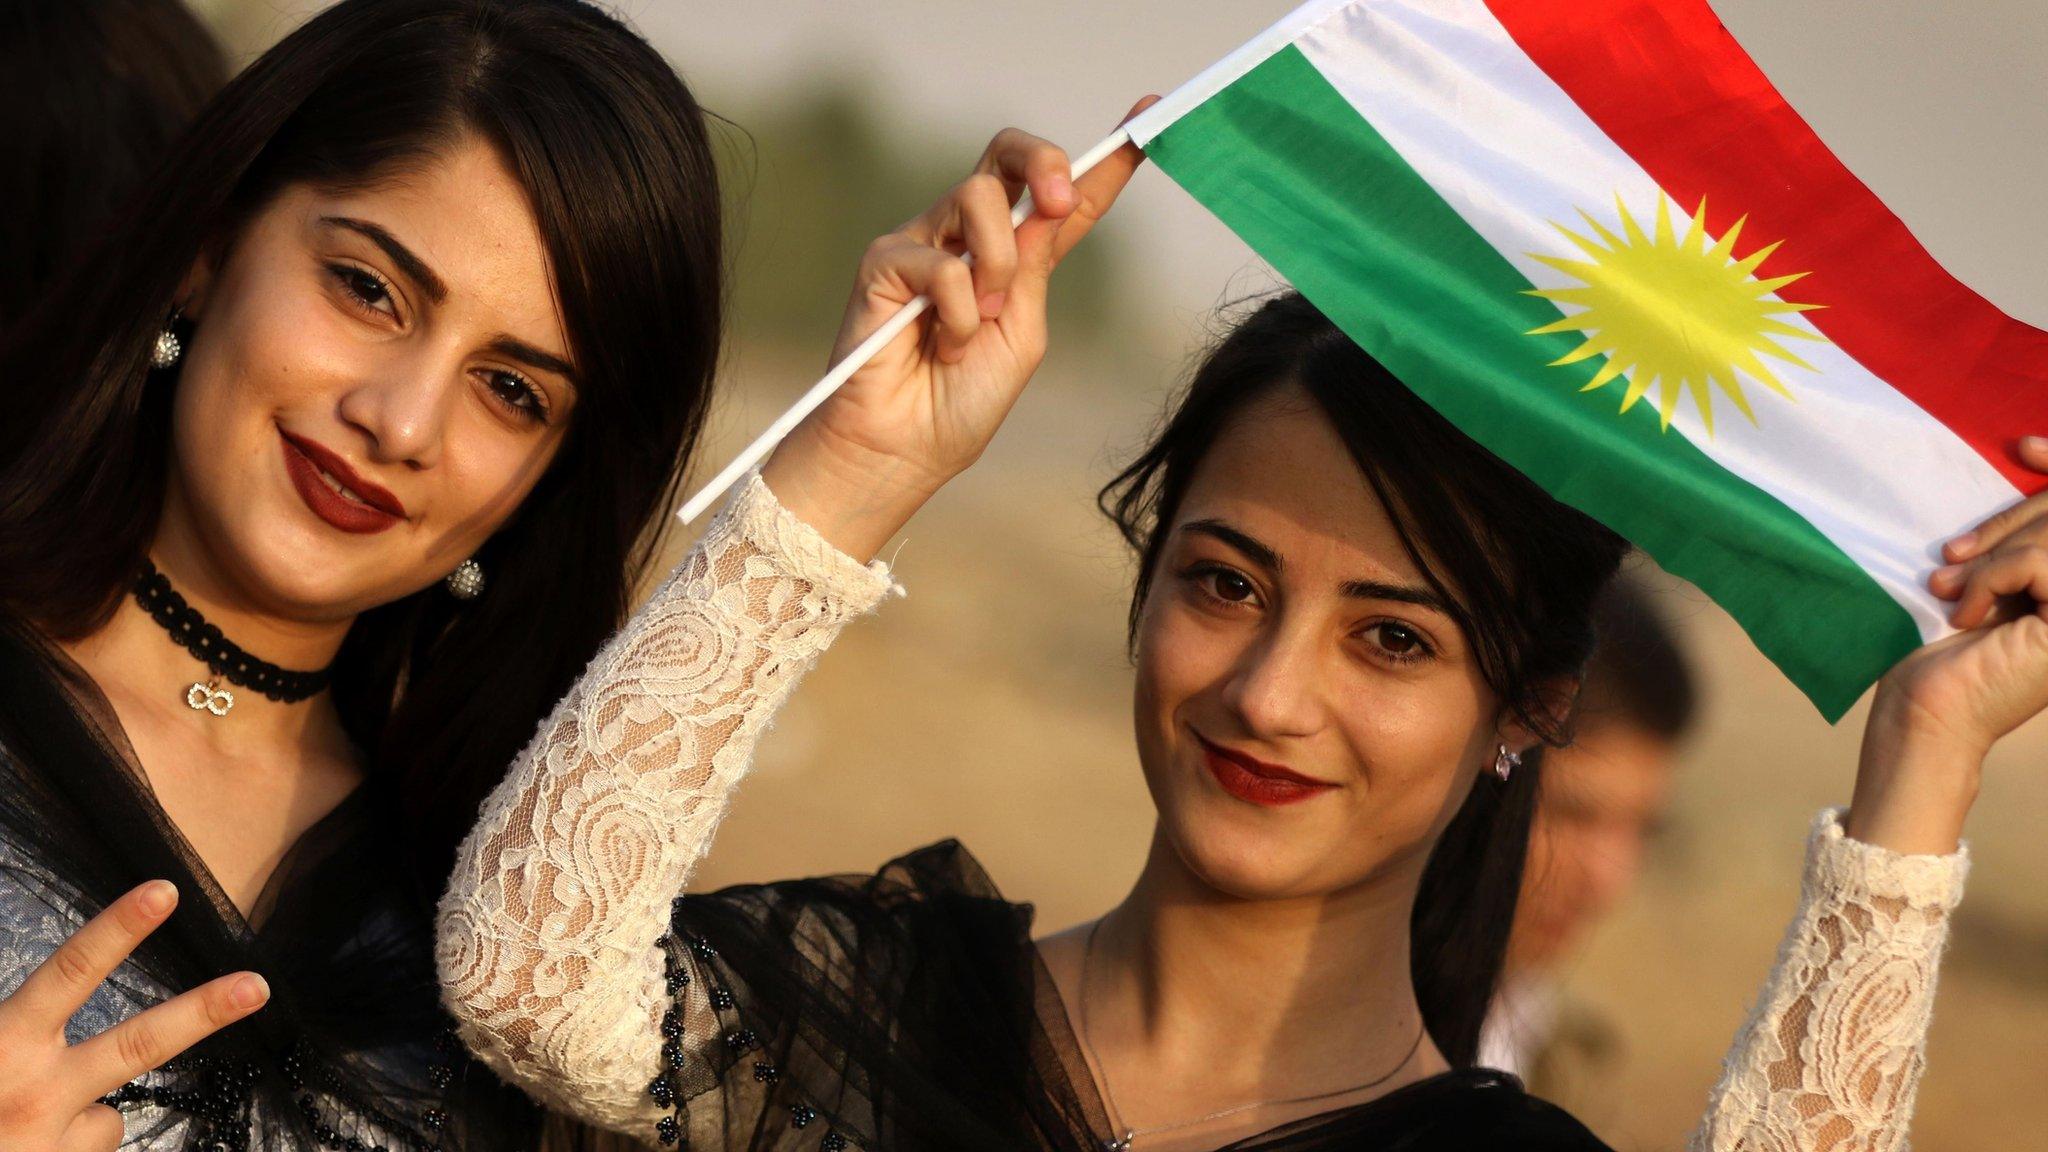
(365, 289)
(1231, 586)
(516, 392)
(1398, 642)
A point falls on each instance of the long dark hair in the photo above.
(97, 90)
(1520, 569)
(615, 158)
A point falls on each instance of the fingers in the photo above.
(1099, 189)
(974, 217)
(2033, 452)
(1042, 243)
(147, 1039)
(915, 269)
(97, 1129)
(1021, 160)
(63, 982)
(2020, 569)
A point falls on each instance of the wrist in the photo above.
(855, 498)
(1915, 783)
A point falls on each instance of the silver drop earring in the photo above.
(467, 581)
(1505, 762)
(168, 348)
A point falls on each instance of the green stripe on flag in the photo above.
(1291, 167)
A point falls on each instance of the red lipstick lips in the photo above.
(1257, 782)
(335, 492)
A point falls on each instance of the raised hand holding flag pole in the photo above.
(853, 361)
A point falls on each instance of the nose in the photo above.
(1273, 687)
(402, 410)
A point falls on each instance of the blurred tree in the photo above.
(812, 180)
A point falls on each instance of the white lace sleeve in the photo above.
(1831, 1055)
(547, 937)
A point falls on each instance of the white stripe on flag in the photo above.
(1227, 71)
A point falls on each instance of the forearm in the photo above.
(1831, 1056)
(1915, 785)
(547, 936)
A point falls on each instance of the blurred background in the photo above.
(992, 703)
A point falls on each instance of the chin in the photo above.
(1250, 859)
(303, 573)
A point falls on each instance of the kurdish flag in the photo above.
(1592, 235)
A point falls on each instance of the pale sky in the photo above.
(1940, 107)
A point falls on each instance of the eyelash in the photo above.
(529, 403)
(352, 278)
(1201, 576)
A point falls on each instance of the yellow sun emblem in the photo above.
(1674, 311)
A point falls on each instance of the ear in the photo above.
(190, 299)
(1555, 698)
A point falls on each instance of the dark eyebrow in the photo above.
(1266, 557)
(1400, 593)
(414, 268)
(533, 357)
(1354, 589)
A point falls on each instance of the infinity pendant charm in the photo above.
(206, 698)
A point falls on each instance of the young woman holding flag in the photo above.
(1354, 631)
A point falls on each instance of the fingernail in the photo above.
(1059, 188)
(251, 991)
(1964, 543)
(992, 304)
(1947, 573)
(2035, 442)
(158, 897)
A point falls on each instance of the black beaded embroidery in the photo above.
(192, 632)
(833, 1142)
(663, 1090)
(667, 1130)
(801, 1115)
(217, 1105)
(220, 1100)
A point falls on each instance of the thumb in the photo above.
(1043, 242)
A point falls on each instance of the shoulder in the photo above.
(943, 873)
(930, 914)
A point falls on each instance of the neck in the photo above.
(143, 670)
(1297, 995)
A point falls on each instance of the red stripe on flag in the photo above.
(1673, 89)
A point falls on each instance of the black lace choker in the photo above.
(192, 632)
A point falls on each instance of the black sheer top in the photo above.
(909, 1010)
(353, 1053)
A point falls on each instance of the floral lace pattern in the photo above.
(547, 937)
(550, 938)
(1832, 1053)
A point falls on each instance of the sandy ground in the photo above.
(991, 704)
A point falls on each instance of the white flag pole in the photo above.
(766, 441)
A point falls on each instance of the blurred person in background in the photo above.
(1604, 800)
(1355, 634)
(95, 92)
